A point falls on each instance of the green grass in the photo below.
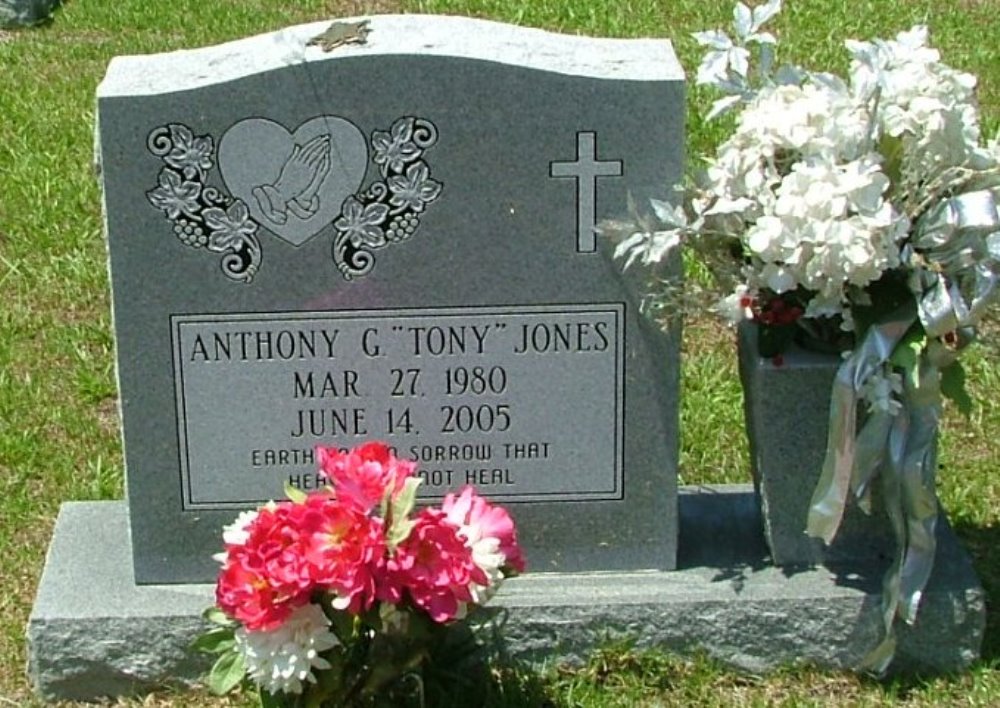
(58, 426)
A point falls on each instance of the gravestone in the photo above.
(395, 240)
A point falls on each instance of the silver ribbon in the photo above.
(844, 457)
(908, 490)
(960, 240)
(956, 247)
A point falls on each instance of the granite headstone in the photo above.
(392, 240)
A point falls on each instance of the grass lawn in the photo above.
(59, 435)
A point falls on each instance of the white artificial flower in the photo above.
(737, 306)
(748, 24)
(648, 246)
(778, 277)
(283, 659)
(822, 221)
(821, 176)
(929, 105)
(727, 63)
(770, 240)
(881, 392)
(723, 57)
(863, 183)
(236, 533)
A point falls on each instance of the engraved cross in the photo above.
(586, 169)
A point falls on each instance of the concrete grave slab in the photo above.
(94, 633)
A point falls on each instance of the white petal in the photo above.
(739, 60)
(669, 215)
(763, 13)
(762, 38)
(662, 245)
(742, 20)
(729, 206)
(722, 105)
(713, 67)
(716, 39)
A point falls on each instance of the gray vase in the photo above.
(787, 407)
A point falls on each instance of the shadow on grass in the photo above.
(469, 666)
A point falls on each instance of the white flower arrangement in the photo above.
(862, 214)
(823, 180)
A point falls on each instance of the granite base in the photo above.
(94, 633)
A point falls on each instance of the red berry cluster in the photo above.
(776, 312)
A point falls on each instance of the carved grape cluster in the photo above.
(402, 227)
(388, 210)
(202, 216)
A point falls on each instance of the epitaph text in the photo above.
(510, 399)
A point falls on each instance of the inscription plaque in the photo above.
(509, 399)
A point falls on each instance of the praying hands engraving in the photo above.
(293, 181)
(294, 184)
(297, 185)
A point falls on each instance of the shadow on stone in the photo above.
(983, 544)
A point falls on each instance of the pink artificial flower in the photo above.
(487, 529)
(345, 551)
(362, 476)
(264, 578)
(435, 567)
(246, 596)
(289, 551)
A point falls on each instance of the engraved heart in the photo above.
(293, 183)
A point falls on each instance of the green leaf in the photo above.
(226, 673)
(906, 355)
(344, 625)
(400, 508)
(269, 700)
(891, 149)
(294, 493)
(214, 641)
(216, 616)
(953, 387)
(329, 684)
(403, 504)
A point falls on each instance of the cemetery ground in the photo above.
(59, 436)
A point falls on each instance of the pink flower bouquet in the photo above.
(331, 598)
